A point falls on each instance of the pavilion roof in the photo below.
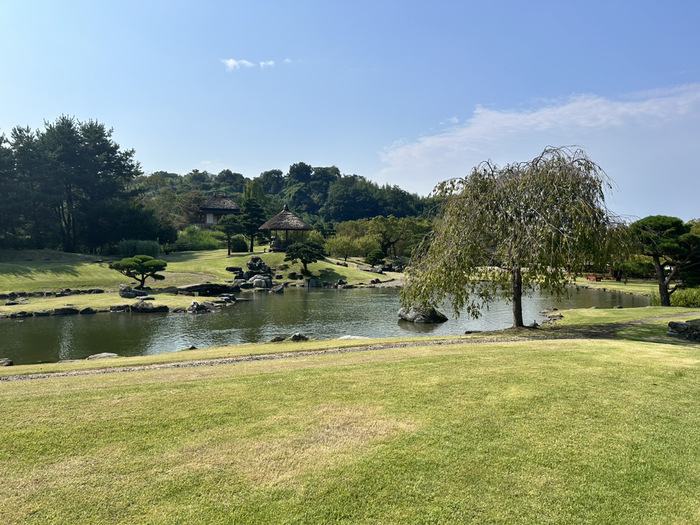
(220, 203)
(285, 221)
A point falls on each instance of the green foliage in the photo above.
(674, 250)
(547, 216)
(306, 253)
(194, 239)
(239, 244)
(375, 257)
(140, 267)
(131, 247)
(252, 217)
(684, 297)
(342, 246)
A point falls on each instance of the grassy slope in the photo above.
(539, 432)
(29, 271)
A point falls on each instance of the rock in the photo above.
(277, 339)
(11, 303)
(417, 314)
(313, 283)
(20, 315)
(346, 337)
(142, 307)
(690, 330)
(118, 308)
(66, 310)
(87, 311)
(6, 361)
(178, 310)
(277, 289)
(200, 308)
(257, 266)
(127, 292)
(298, 337)
(103, 355)
(42, 313)
(260, 281)
(209, 289)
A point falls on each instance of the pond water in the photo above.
(319, 314)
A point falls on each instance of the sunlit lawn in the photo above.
(34, 270)
(539, 432)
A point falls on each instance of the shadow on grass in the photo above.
(330, 275)
(27, 270)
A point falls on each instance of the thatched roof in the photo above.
(285, 221)
(221, 204)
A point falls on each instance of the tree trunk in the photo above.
(664, 295)
(517, 297)
(252, 241)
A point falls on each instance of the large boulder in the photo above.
(260, 281)
(143, 307)
(127, 292)
(257, 266)
(6, 361)
(690, 330)
(418, 314)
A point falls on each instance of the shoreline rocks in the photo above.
(689, 330)
(417, 314)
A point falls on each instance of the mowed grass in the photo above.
(634, 286)
(35, 270)
(567, 431)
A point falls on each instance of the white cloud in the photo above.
(287, 60)
(450, 121)
(232, 64)
(646, 142)
(268, 63)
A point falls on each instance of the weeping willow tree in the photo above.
(502, 231)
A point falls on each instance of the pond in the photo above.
(319, 314)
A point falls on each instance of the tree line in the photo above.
(70, 186)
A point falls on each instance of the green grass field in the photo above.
(506, 427)
(567, 431)
(34, 271)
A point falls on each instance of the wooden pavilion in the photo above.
(216, 207)
(290, 225)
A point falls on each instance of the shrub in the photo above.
(685, 297)
(131, 247)
(688, 297)
(192, 238)
(375, 257)
(239, 243)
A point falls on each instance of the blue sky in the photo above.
(402, 92)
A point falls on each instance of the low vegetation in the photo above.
(563, 431)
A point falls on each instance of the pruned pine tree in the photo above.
(502, 231)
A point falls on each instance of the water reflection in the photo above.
(320, 314)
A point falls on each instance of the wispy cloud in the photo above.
(233, 64)
(268, 63)
(639, 137)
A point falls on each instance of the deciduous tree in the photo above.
(500, 231)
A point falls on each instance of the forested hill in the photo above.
(317, 194)
(71, 186)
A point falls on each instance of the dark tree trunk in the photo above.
(517, 290)
(664, 294)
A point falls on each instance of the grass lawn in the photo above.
(34, 271)
(635, 286)
(566, 431)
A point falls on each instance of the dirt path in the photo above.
(605, 331)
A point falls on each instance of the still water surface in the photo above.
(319, 314)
